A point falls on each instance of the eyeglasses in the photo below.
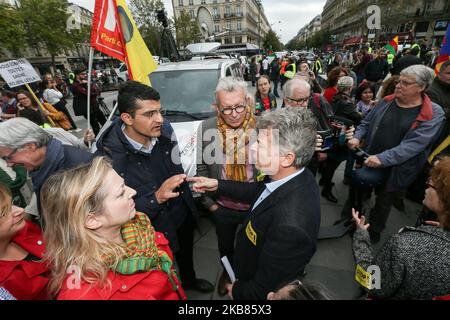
(303, 289)
(10, 155)
(299, 101)
(404, 83)
(239, 109)
(429, 184)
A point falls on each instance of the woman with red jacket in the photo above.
(99, 246)
(22, 272)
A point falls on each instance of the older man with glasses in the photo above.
(232, 129)
(24, 143)
(297, 93)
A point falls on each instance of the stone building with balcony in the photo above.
(237, 21)
(412, 20)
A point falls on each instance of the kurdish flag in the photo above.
(445, 51)
(392, 47)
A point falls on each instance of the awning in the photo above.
(353, 40)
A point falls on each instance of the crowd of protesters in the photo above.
(119, 224)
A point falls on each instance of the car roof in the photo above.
(207, 64)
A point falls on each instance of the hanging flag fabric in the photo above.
(106, 35)
(444, 55)
(392, 47)
(114, 33)
(139, 59)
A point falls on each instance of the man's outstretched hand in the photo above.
(202, 184)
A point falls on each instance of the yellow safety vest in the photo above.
(390, 58)
(291, 74)
(318, 66)
(418, 47)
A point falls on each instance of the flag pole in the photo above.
(91, 58)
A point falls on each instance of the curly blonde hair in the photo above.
(67, 198)
(440, 175)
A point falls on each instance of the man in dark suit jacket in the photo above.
(279, 234)
(228, 214)
(140, 146)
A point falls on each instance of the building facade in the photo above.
(423, 21)
(69, 59)
(310, 29)
(236, 21)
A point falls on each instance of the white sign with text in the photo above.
(18, 72)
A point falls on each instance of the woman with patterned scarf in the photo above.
(99, 247)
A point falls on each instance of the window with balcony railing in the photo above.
(216, 28)
(191, 2)
(180, 3)
(239, 26)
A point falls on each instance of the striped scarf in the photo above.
(237, 171)
(142, 253)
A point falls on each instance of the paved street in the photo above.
(333, 263)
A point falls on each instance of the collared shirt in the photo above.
(272, 186)
(139, 146)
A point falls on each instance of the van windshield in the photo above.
(190, 91)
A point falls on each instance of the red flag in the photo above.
(106, 35)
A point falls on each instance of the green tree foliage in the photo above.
(144, 14)
(12, 33)
(187, 30)
(272, 42)
(45, 24)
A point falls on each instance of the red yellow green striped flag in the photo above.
(392, 47)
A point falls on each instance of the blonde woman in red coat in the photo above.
(100, 248)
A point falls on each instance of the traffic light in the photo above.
(161, 15)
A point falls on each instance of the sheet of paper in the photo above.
(229, 269)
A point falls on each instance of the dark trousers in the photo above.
(379, 213)
(184, 256)
(61, 106)
(332, 163)
(275, 88)
(98, 119)
(227, 221)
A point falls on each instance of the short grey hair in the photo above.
(424, 75)
(345, 83)
(296, 130)
(17, 132)
(231, 84)
(293, 84)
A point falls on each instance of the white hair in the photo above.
(345, 83)
(424, 75)
(17, 132)
(231, 84)
(296, 129)
(293, 84)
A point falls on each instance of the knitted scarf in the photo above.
(236, 171)
(142, 253)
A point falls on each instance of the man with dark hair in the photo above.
(409, 59)
(79, 90)
(140, 146)
(9, 105)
